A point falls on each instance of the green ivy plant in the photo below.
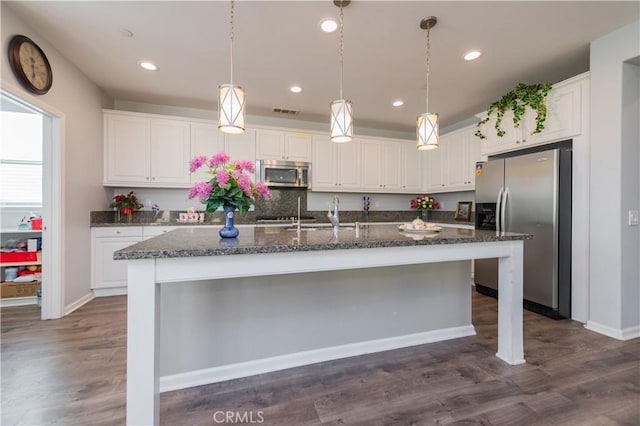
(517, 100)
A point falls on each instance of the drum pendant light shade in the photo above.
(341, 121)
(231, 97)
(427, 128)
(427, 131)
(342, 109)
(231, 108)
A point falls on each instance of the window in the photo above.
(20, 159)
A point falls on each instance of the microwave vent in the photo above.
(287, 111)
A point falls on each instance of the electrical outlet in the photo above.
(633, 217)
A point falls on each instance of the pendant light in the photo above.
(231, 98)
(427, 127)
(342, 109)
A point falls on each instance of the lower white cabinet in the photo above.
(108, 276)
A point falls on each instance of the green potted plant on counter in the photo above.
(230, 187)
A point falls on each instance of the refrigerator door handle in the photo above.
(504, 210)
(498, 205)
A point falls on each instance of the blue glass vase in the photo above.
(229, 231)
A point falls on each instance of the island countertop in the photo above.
(197, 242)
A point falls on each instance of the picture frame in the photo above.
(463, 211)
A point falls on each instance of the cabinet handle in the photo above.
(153, 178)
(117, 232)
(147, 178)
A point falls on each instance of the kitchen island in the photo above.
(377, 272)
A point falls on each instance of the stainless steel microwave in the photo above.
(284, 174)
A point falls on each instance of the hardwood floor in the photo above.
(71, 371)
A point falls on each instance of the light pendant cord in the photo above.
(231, 39)
(341, 48)
(427, 79)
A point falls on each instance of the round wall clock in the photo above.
(30, 65)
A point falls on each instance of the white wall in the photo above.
(613, 187)
(80, 102)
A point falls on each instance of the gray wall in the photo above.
(630, 193)
(613, 294)
(80, 102)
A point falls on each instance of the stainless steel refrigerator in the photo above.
(530, 193)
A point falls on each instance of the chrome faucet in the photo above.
(333, 217)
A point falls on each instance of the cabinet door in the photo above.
(349, 165)
(206, 140)
(108, 272)
(511, 140)
(474, 157)
(370, 160)
(457, 160)
(241, 147)
(170, 149)
(324, 164)
(435, 170)
(563, 115)
(412, 161)
(298, 147)
(270, 145)
(391, 166)
(127, 141)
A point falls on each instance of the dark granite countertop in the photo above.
(192, 242)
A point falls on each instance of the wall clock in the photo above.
(30, 65)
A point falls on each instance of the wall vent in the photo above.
(287, 111)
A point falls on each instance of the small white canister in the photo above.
(10, 274)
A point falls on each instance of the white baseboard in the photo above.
(75, 305)
(620, 334)
(112, 291)
(18, 301)
(281, 362)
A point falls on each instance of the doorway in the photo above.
(47, 203)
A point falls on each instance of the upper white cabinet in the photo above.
(451, 167)
(564, 109)
(336, 167)
(142, 151)
(389, 166)
(279, 145)
(207, 140)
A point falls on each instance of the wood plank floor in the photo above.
(71, 371)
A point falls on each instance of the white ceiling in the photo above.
(278, 43)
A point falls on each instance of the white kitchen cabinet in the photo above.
(435, 160)
(280, 145)
(108, 276)
(144, 151)
(381, 164)
(563, 101)
(412, 161)
(451, 167)
(207, 140)
(241, 147)
(336, 167)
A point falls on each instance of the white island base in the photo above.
(301, 318)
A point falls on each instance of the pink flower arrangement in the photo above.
(230, 184)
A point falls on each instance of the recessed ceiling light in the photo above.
(328, 25)
(398, 103)
(474, 54)
(148, 65)
(295, 89)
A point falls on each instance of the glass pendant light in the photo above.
(231, 98)
(427, 126)
(342, 109)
